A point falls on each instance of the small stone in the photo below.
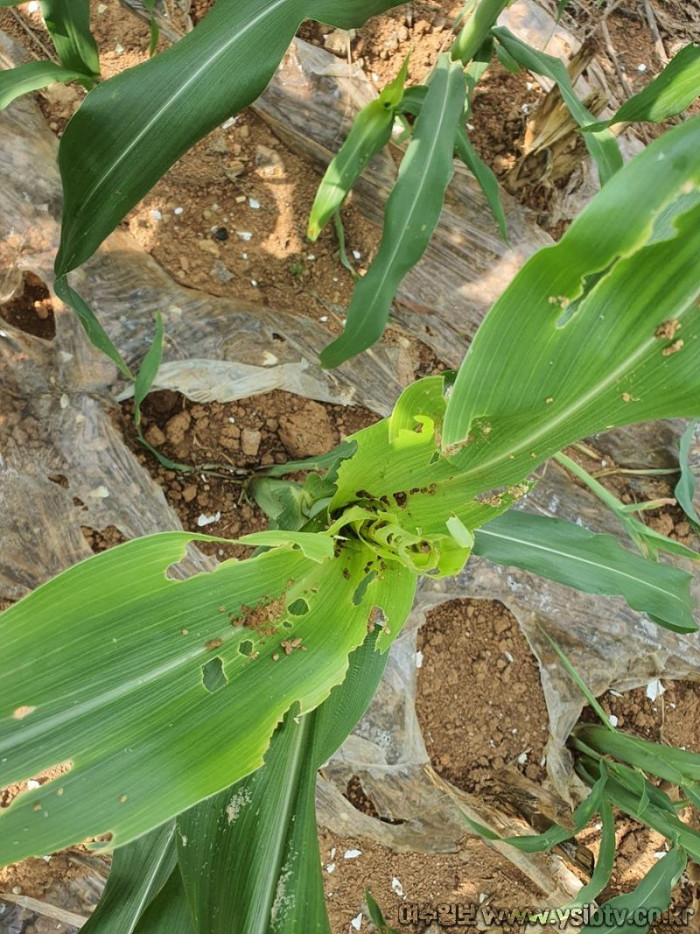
(338, 41)
(189, 493)
(234, 169)
(221, 233)
(250, 441)
(155, 436)
(208, 246)
(244, 132)
(177, 426)
(269, 162)
(221, 272)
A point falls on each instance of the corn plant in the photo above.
(190, 713)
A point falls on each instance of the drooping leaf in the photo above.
(484, 176)
(412, 213)
(601, 144)
(148, 369)
(606, 858)
(94, 330)
(249, 856)
(670, 93)
(651, 895)
(668, 762)
(598, 357)
(32, 77)
(132, 128)
(541, 842)
(685, 488)
(138, 873)
(68, 23)
(567, 553)
(111, 667)
(370, 133)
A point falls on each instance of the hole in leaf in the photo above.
(299, 608)
(213, 677)
(361, 588)
(246, 647)
(287, 624)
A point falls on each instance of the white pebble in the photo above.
(641, 67)
(178, 211)
(357, 254)
(227, 124)
(33, 6)
(64, 401)
(207, 520)
(32, 783)
(419, 659)
(330, 868)
(613, 720)
(245, 235)
(323, 318)
(254, 203)
(522, 758)
(310, 257)
(156, 215)
(357, 921)
(16, 889)
(119, 48)
(254, 283)
(352, 854)
(397, 887)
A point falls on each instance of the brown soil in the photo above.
(232, 439)
(31, 309)
(475, 875)
(480, 701)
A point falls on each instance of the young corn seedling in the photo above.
(191, 713)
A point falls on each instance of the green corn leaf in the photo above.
(132, 128)
(168, 913)
(138, 873)
(638, 800)
(484, 176)
(398, 473)
(668, 762)
(68, 23)
(148, 369)
(685, 488)
(412, 213)
(32, 77)
(94, 330)
(601, 144)
(249, 856)
(606, 859)
(412, 103)
(476, 30)
(581, 817)
(670, 93)
(539, 843)
(593, 362)
(377, 915)
(652, 895)
(369, 134)
(160, 691)
(567, 553)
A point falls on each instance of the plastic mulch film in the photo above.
(63, 465)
